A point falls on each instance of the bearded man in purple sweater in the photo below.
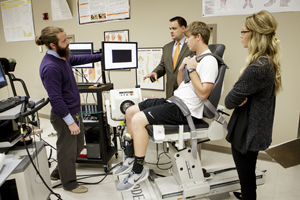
(58, 79)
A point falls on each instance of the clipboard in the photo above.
(287, 154)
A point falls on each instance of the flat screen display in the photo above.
(119, 55)
(3, 82)
(82, 48)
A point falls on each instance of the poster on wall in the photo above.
(96, 11)
(117, 36)
(212, 8)
(148, 59)
(60, 10)
(17, 20)
(92, 75)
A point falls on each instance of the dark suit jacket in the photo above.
(166, 66)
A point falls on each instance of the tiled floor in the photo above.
(280, 183)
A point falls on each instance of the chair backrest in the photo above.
(215, 94)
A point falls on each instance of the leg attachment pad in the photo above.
(127, 146)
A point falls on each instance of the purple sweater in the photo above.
(60, 84)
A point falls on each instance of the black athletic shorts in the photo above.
(160, 111)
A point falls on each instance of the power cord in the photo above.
(84, 176)
(51, 147)
(31, 160)
(90, 176)
(158, 158)
(47, 144)
(81, 74)
(108, 76)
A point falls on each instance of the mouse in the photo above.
(97, 84)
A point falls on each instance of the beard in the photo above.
(63, 52)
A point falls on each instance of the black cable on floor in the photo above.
(90, 176)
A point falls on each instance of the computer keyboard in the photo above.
(9, 103)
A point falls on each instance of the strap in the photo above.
(219, 118)
(219, 59)
(186, 76)
(207, 103)
(186, 112)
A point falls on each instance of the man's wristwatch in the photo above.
(191, 70)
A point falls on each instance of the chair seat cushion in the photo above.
(171, 129)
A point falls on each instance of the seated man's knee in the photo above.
(139, 119)
(130, 111)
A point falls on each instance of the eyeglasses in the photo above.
(242, 32)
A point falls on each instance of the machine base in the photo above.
(168, 187)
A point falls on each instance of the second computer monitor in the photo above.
(3, 82)
(119, 55)
(82, 48)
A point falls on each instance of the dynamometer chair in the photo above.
(187, 170)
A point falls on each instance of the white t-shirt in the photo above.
(207, 70)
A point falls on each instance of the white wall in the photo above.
(149, 26)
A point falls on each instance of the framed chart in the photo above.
(148, 59)
(117, 36)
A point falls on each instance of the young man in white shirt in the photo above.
(162, 111)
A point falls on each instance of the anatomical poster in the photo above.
(212, 8)
(148, 59)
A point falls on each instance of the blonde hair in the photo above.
(48, 35)
(263, 42)
(201, 28)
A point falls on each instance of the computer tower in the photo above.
(93, 143)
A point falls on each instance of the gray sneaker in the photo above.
(126, 167)
(131, 180)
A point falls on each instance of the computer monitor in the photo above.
(82, 48)
(3, 82)
(119, 55)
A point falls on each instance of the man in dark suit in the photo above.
(166, 65)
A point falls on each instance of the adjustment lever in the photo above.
(224, 113)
